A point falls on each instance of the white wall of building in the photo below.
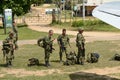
(98, 2)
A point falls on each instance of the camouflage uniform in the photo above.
(47, 44)
(80, 43)
(71, 59)
(63, 41)
(8, 50)
(15, 36)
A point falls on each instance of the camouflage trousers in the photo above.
(62, 50)
(9, 55)
(81, 55)
(47, 55)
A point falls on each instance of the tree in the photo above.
(37, 2)
(19, 7)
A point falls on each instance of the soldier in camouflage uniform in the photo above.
(47, 43)
(63, 41)
(8, 49)
(15, 34)
(71, 58)
(80, 43)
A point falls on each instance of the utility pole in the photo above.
(83, 6)
(64, 3)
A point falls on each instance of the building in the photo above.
(91, 4)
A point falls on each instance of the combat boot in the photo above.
(49, 64)
(82, 60)
(46, 64)
(10, 63)
(61, 60)
(78, 62)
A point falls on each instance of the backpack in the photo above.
(41, 43)
(33, 61)
(117, 57)
(93, 57)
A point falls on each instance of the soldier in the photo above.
(15, 34)
(71, 58)
(47, 43)
(8, 49)
(80, 43)
(63, 41)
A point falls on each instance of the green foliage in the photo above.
(24, 33)
(87, 23)
(94, 25)
(37, 2)
(77, 24)
(48, 1)
(19, 7)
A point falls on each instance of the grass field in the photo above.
(97, 27)
(106, 49)
(24, 33)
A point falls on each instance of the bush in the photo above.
(77, 24)
(87, 23)
(94, 25)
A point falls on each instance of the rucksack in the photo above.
(33, 61)
(93, 57)
(41, 43)
(117, 57)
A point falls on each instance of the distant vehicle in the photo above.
(109, 13)
(49, 11)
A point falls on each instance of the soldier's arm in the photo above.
(58, 40)
(68, 40)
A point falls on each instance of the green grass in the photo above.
(106, 49)
(24, 33)
(89, 26)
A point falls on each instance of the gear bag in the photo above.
(93, 57)
(117, 57)
(33, 61)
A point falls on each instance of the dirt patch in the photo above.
(104, 71)
(23, 72)
(89, 36)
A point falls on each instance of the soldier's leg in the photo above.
(47, 56)
(66, 52)
(83, 55)
(12, 54)
(8, 58)
(78, 55)
(4, 52)
(60, 54)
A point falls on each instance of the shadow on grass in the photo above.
(89, 76)
(3, 65)
(22, 25)
(56, 61)
(40, 64)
